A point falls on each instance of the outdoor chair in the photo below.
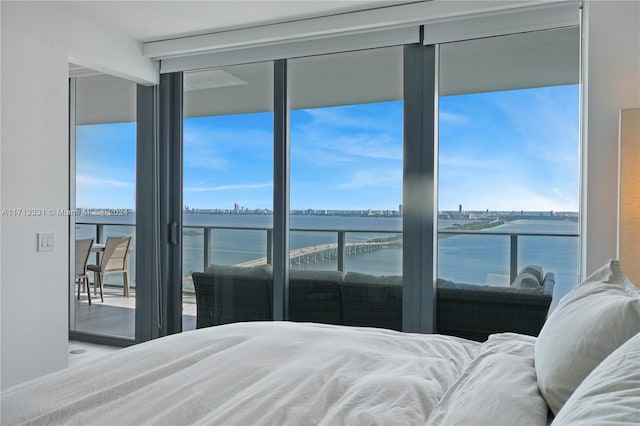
(115, 259)
(83, 249)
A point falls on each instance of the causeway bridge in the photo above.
(321, 252)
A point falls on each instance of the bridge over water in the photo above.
(321, 252)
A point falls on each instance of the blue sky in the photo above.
(106, 165)
(511, 150)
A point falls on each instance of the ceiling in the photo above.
(533, 59)
(160, 20)
(517, 61)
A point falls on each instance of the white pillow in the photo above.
(535, 270)
(589, 323)
(497, 387)
(526, 280)
(610, 394)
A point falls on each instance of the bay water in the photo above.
(480, 259)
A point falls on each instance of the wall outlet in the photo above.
(45, 241)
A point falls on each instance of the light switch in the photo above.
(45, 241)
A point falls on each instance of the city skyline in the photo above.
(503, 151)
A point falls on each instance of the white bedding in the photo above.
(272, 373)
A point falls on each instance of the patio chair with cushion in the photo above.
(115, 259)
(83, 249)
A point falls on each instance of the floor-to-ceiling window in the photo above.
(503, 188)
(228, 187)
(508, 193)
(104, 148)
(345, 243)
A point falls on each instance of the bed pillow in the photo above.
(497, 387)
(589, 323)
(610, 394)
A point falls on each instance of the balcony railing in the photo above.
(340, 249)
(513, 243)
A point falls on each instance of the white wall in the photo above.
(612, 81)
(37, 42)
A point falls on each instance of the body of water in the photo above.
(475, 259)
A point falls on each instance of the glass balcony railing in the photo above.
(474, 257)
(486, 257)
(495, 257)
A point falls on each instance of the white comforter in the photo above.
(286, 373)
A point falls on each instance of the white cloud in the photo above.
(95, 192)
(204, 159)
(327, 149)
(354, 119)
(465, 163)
(504, 195)
(349, 134)
(217, 148)
(548, 124)
(378, 146)
(374, 179)
(235, 187)
(102, 183)
(199, 152)
(450, 118)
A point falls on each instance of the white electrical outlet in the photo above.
(45, 241)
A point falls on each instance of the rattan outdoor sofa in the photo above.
(226, 294)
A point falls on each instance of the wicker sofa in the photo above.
(227, 294)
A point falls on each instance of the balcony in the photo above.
(486, 257)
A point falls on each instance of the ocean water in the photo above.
(475, 259)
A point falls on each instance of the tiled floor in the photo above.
(80, 352)
(116, 315)
(113, 317)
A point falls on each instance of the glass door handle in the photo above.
(174, 233)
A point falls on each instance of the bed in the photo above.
(302, 373)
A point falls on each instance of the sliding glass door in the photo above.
(227, 191)
(102, 214)
(509, 164)
(345, 175)
(351, 187)
(345, 242)
(397, 172)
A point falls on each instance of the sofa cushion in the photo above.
(368, 303)
(314, 296)
(442, 283)
(492, 289)
(226, 294)
(526, 280)
(535, 270)
(357, 277)
(260, 271)
(311, 275)
(476, 311)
